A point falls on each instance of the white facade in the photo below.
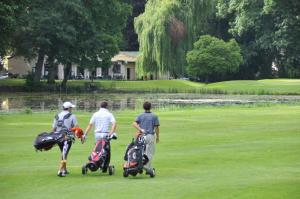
(123, 67)
(98, 72)
(87, 74)
(60, 72)
(74, 71)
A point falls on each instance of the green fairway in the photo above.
(267, 86)
(210, 152)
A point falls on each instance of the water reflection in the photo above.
(5, 105)
(91, 102)
(46, 101)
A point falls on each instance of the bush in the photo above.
(31, 85)
(28, 111)
(213, 59)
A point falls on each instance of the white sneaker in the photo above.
(61, 174)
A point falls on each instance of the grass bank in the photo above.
(211, 152)
(267, 86)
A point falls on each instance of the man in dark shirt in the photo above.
(148, 124)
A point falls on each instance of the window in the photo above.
(117, 68)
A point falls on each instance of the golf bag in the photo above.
(100, 157)
(136, 158)
(45, 141)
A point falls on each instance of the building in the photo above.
(19, 65)
(123, 67)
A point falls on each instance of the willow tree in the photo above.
(167, 30)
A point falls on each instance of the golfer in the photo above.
(147, 123)
(63, 122)
(102, 120)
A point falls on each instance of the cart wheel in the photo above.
(111, 170)
(152, 173)
(84, 170)
(125, 173)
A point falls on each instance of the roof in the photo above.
(128, 56)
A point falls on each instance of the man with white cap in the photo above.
(63, 122)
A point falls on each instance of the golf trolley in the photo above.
(100, 157)
(136, 158)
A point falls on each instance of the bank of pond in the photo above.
(245, 87)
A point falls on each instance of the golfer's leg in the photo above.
(65, 150)
(150, 150)
(61, 163)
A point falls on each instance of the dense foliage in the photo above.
(166, 30)
(213, 59)
(90, 32)
(268, 32)
(10, 12)
(85, 32)
(130, 42)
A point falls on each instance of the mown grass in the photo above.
(210, 152)
(267, 86)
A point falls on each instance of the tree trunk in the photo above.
(92, 77)
(67, 72)
(52, 70)
(39, 66)
(206, 79)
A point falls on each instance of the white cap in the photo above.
(68, 105)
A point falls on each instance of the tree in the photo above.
(72, 32)
(36, 35)
(105, 30)
(130, 37)
(285, 14)
(10, 12)
(167, 30)
(213, 59)
(268, 31)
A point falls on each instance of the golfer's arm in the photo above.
(157, 132)
(54, 126)
(137, 126)
(88, 128)
(113, 128)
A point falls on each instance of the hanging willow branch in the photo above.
(166, 31)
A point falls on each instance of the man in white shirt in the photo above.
(62, 123)
(102, 120)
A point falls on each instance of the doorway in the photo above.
(128, 73)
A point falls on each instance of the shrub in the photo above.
(213, 59)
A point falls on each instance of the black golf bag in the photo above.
(100, 158)
(45, 141)
(136, 158)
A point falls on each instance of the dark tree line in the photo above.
(267, 31)
(83, 32)
(89, 32)
(130, 37)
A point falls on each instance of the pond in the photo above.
(12, 102)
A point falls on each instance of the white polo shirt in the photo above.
(102, 120)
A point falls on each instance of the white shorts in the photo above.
(99, 136)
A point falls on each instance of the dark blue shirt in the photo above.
(147, 121)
